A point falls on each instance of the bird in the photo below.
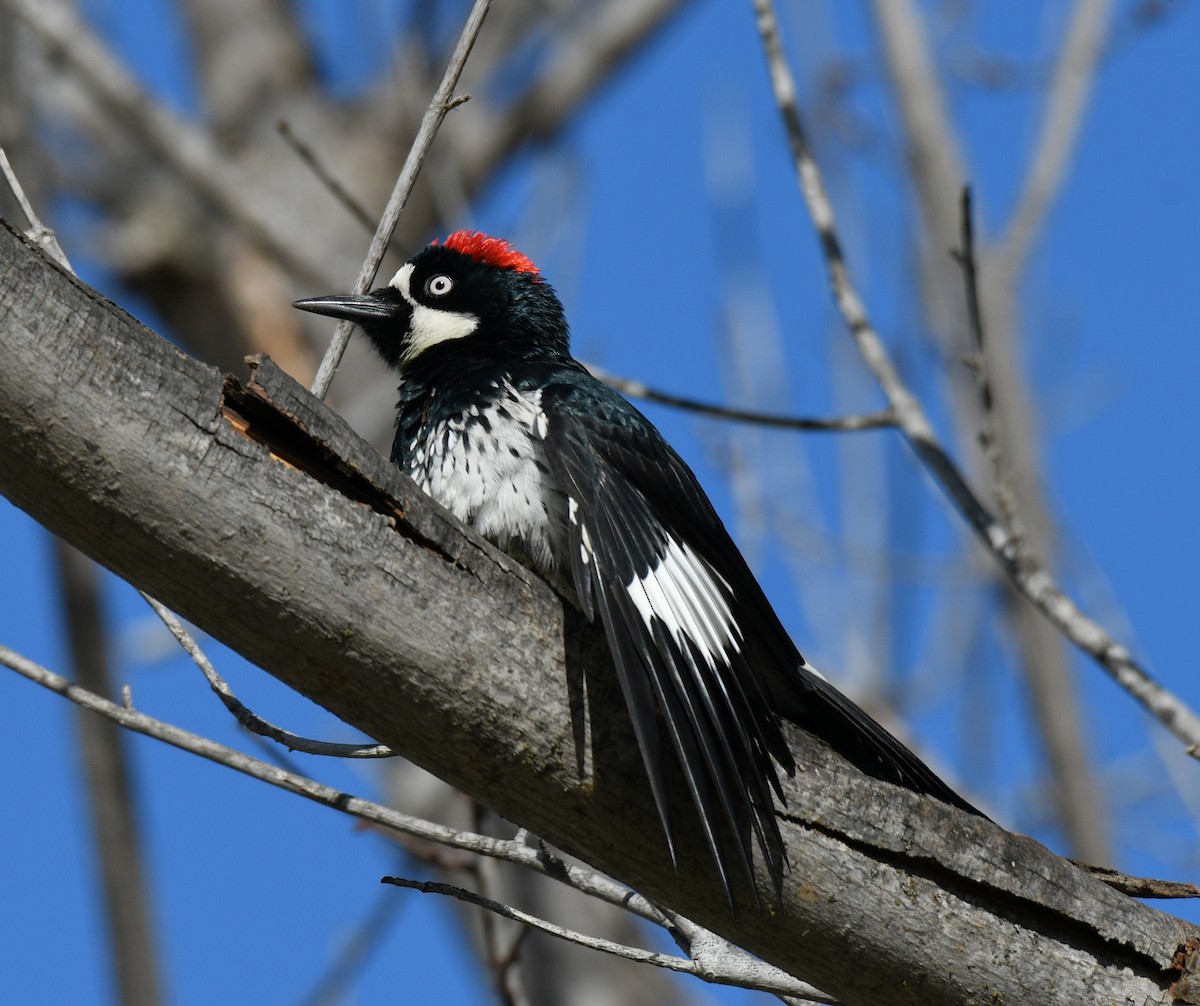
(503, 427)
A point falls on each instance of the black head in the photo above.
(471, 298)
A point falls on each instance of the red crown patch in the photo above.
(490, 251)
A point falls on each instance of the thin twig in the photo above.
(251, 721)
(852, 423)
(38, 232)
(1074, 73)
(438, 107)
(1025, 572)
(503, 961)
(715, 953)
(324, 175)
(570, 935)
(539, 860)
(989, 442)
(780, 984)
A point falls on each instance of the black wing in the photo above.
(691, 632)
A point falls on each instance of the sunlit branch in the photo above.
(1026, 573)
(251, 721)
(540, 860)
(443, 100)
(636, 389)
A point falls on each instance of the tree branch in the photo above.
(106, 765)
(1069, 90)
(712, 961)
(189, 150)
(245, 717)
(258, 515)
(779, 983)
(1027, 575)
(851, 423)
(38, 232)
(988, 438)
(432, 120)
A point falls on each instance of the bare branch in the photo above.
(1027, 574)
(508, 912)
(110, 795)
(251, 721)
(853, 423)
(1069, 90)
(541, 860)
(778, 983)
(415, 630)
(335, 188)
(978, 362)
(515, 851)
(441, 103)
(190, 151)
(38, 232)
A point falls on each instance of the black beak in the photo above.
(383, 314)
(361, 308)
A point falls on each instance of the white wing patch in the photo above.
(585, 539)
(689, 597)
(806, 666)
(429, 326)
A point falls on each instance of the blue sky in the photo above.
(254, 888)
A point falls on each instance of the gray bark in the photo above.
(257, 513)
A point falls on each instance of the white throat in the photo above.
(429, 326)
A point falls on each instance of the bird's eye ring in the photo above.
(439, 285)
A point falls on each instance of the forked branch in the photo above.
(1026, 572)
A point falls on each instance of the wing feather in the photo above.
(693, 637)
(677, 648)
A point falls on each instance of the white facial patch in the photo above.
(688, 596)
(402, 279)
(429, 326)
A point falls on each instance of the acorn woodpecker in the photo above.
(503, 427)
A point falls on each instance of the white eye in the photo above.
(439, 285)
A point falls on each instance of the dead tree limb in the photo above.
(256, 513)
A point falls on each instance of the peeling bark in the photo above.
(255, 512)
